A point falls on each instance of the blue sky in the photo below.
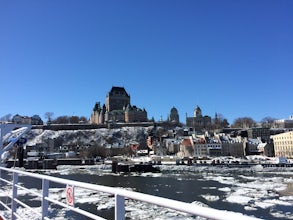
(230, 57)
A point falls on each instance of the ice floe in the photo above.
(225, 189)
(254, 191)
(240, 199)
(210, 198)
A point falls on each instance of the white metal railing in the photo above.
(120, 195)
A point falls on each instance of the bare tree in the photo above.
(6, 117)
(64, 119)
(74, 119)
(49, 116)
(83, 119)
(225, 123)
(267, 122)
(94, 151)
(61, 120)
(244, 122)
(220, 122)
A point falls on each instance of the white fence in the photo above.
(120, 194)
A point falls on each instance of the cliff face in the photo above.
(117, 138)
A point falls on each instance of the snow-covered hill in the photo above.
(104, 137)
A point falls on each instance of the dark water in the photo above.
(191, 185)
(194, 185)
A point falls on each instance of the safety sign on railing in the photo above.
(70, 195)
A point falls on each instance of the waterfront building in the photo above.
(199, 147)
(214, 146)
(232, 146)
(266, 149)
(186, 148)
(283, 144)
(151, 141)
(198, 122)
(117, 108)
(252, 146)
(172, 145)
(236, 148)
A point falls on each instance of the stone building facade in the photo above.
(234, 147)
(198, 121)
(117, 108)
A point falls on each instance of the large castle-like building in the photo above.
(117, 109)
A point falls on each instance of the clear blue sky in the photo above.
(231, 57)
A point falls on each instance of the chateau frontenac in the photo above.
(117, 109)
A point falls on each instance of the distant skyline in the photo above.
(229, 57)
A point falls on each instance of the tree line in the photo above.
(65, 119)
(248, 122)
(218, 122)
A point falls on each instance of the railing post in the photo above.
(14, 195)
(119, 207)
(45, 193)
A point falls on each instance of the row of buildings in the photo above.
(117, 108)
(223, 144)
(265, 141)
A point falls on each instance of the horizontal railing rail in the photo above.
(120, 196)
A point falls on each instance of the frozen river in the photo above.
(266, 194)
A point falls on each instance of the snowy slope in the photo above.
(104, 137)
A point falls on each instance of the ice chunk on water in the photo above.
(108, 205)
(243, 200)
(222, 179)
(250, 208)
(271, 202)
(210, 198)
(264, 205)
(287, 198)
(225, 189)
(281, 215)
